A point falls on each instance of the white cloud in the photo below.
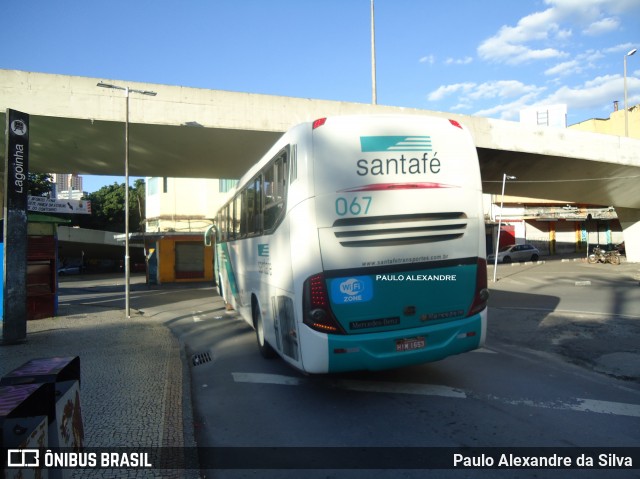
(430, 59)
(537, 36)
(623, 48)
(459, 61)
(446, 90)
(598, 93)
(468, 96)
(564, 68)
(509, 110)
(581, 62)
(587, 11)
(509, 44)
(505, 99)
(602, 26)
(503, 89)
(461, 106)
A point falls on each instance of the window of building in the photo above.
(152, 186)
(227, 185)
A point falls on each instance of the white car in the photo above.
(515, 252)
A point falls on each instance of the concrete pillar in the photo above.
(630, 221)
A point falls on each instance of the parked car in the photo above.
(515, 252)
(64, 270)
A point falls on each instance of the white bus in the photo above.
(358, 243)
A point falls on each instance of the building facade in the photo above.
(178, 211)
(67, 186)
(556, 227)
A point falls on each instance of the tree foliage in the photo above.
(40, 184)
(108, 205)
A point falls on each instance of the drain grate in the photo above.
(200, 358)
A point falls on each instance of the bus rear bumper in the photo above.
(395, 349)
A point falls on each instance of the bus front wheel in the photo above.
(265, 348)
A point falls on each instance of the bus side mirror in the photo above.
(208, 235)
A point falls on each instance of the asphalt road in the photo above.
(587, 314)
(536, 384)
(522, 390)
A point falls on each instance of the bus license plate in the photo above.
(410, 344)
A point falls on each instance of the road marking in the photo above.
(539, 280)
(483, 350)
(354, 385)
(578, 405)
(400, 388)
(569, 311)
(607, 407)
(261, 378)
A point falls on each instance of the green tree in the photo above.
(107, 208)
(40, 184)
(137, 204)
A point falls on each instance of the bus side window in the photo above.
(225, 223)
(253, 207)
(259, 218)
(237, 216)
(269, 200)
(275, 181)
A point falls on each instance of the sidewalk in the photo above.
(134, 381)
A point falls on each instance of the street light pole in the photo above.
(505, 177)
(127, 269)
(626, 113)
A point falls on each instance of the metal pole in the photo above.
(495, 264)
(126, 208)
(127, 269)
(374, 93)
(626, 115)
(626, 112)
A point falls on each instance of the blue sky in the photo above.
(489, 58)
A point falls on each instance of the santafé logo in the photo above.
(369, 144)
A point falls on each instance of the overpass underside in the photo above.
(187, 132)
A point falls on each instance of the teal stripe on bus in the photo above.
(228, 267)
(379, 350)
(402, 299)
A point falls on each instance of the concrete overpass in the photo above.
(189, 132)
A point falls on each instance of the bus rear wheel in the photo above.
(265, 348)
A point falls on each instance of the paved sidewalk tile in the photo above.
(131, 378)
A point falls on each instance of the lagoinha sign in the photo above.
(16, 171)
(18, 165)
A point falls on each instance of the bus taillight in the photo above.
(318, 123)
(316, 310)
(481, 295)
